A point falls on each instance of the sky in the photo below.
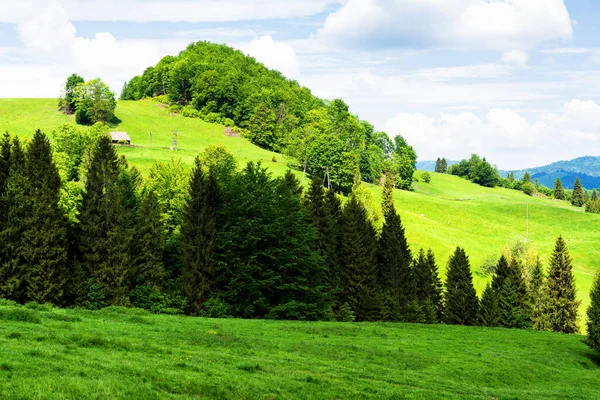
(515, 81)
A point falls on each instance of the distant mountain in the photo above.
(586, 168)
(429, 165)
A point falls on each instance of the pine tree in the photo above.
(489, 311)
(106, 235)
(561, 307)
(461, 302)
(387, 195)
(511, 177)
(15, 207)
(511, 291)
(559, 191)
(198, 232)
(44, 240)
(358, 275)
(438, 165)
(537, 293)
(394, 259)
(444, 166)
(593, 314)
(527, 178)
(594, 195)
(428, 286)
(149, 244)
(578, 196)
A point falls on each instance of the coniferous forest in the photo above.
(236, 242)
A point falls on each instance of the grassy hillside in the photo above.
(440, 215)
(128, 353)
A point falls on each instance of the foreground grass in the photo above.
(441, 215)
(123, 353)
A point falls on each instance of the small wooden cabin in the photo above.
(120, 138)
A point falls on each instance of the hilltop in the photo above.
(587, 169)
(440, 215)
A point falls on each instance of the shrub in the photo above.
(175, 108)
(528, 188)
(426, 177)
(228, 122)
(346, 314)
(163, 98)
(38, 306)
(213, 117)
(8, 303)
(216, 308)
(20, 315)
(190, 112)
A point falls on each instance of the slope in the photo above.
(129, 353)
(441, 215)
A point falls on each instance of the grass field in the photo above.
(129, 353)
(440, 215)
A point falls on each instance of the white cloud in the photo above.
(275, 55)
(173, 11)
(499, 24)
(46, 29)
(504, 136)
(567, 50)
(516, 57)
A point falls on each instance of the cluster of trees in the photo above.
(477, 170)
(91, 101)
(220, 84)
(441, 166)
(522, 299)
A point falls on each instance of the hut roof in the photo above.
(117, 136)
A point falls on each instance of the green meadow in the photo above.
(129, 353)
(441, 215)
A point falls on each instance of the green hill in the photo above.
(447, 212)
(130, 353)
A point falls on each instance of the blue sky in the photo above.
(513, 80)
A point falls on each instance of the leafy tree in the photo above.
(559, 191)
(561, 307)
(461, 302)
(477, 170)
(94, 102)
(67, 102)
(489, 310)
(220, 159)
(199, 232)
(593, 314)
(326, 156)
(578, 196)
(358, 275)
(404, 163)
(262, 126)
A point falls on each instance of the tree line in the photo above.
(241, 243)
(221, 85)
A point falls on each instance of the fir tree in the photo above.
(149, 244)
(44, 239)
(394, 259)
(578, 196)
(198, 234)
(106, 236)
(428, 286)
(561, 306)
(594, 195)
(444, 166)
(489, 311)
(537, 293)
(559, 191)
(593, 314)
(511, 291)
(358, 275)
(511, 177)
(387, 195)
(461, 302)
(438, 165)
(527, 178)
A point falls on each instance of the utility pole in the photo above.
(527, 225)
(174, 140)
(150, 139)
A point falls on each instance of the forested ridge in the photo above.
(219, 84)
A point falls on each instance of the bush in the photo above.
(175, 108)
(227, 122)
(20, 315)
(216, 308)
(38, 306)
(213, 118)
(528, 188)
(346, 314)
(426, 177)
(163, 98)
(153, 299)
(190, 112)
(8, 303)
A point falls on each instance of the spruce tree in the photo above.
(428, 286)
(15, 207)
(578, 196)
(106, 235)
(198, 235)
(358, 274)
(461, 302)
(438, 165)
(593, 314)
(489, 311)
(559, 191)
(395, 275)
(527, 178)
(149, 244)
(387, 195)
(562, 305)
(444, 166)
(511, 291)
(44, 240)
(537, 296)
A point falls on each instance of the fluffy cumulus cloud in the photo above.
(504, 136)
(174, 11)
(500, 24)
(275, 55)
